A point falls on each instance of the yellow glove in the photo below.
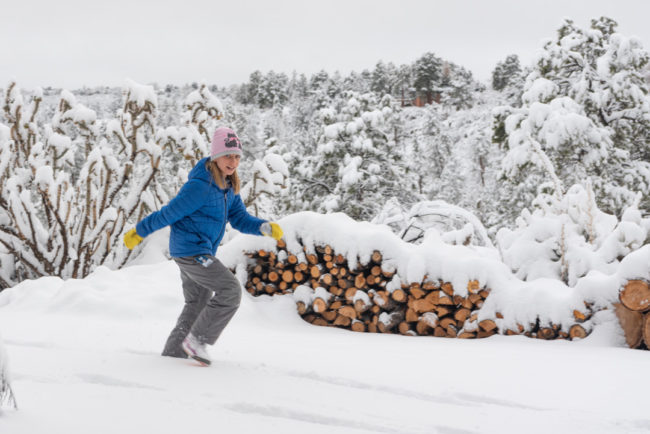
(132, 239)
(271, 230)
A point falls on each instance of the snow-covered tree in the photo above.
(450, 223)
(71, 188)
(508, 78)
(589, 101)
(427, 73)
(355, 165)
(553, 142)
(506, 72)
(269, 180)
(457, 86)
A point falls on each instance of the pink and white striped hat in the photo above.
(224, 142)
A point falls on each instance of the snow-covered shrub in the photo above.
(268, 180)
(69, 189)
(6, 394)
(567, 236)
(450, 223)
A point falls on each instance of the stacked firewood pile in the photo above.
(371, 298)
(633, 313)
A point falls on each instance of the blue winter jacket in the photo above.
(198, 215)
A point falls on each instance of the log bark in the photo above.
(636, 295)
(631, 322)
(646, 330)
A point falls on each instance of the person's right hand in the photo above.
(132, 239)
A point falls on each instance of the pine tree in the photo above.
(427, 74)
(506, 73)
(354, 167)
(593, 80)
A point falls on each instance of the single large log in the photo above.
(636, 295)
(631, 322)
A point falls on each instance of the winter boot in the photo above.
(196, 350)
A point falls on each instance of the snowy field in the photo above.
(83, 358)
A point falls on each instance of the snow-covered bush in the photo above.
(6, 394)
(70, 188)
(567, 236)
(449, 223)
(268, 180)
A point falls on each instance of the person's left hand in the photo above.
(271, 229)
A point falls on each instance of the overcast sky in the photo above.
(72, 43)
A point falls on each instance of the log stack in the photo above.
(372, 298)
(633, 313)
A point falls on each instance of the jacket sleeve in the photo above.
(189, 199)
(241, 220)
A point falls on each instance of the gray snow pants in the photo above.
(212, 296)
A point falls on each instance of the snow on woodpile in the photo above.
(429, 288)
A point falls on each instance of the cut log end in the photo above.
(577, 332)
(636, 295)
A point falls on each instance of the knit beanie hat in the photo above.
(224, 142)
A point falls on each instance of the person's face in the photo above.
(228, 163)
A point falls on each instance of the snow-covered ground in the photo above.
(84, 358)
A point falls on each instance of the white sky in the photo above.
(72, 43)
